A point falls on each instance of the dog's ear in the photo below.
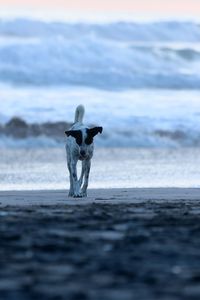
(70, 132)
(91, 134)
(94, 131)
(76, 134)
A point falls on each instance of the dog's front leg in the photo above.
(71, 190)
(75, 182)
(86, 178)
(82, 173)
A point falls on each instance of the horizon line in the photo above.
(50, 15)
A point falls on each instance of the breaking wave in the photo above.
(18, 133)
(118, 55)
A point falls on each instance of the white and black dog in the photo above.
(79, 146)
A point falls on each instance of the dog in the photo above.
(80, 146)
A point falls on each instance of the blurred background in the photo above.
(135, 68)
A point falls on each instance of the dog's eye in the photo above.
(79, 140)
(78, 137)
(89, 140)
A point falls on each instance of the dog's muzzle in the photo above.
(82, 155)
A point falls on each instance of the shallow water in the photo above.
(32, 169)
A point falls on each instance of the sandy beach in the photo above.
(115, 244)
(99, 196)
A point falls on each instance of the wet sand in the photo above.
(116, 244)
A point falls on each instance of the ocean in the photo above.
(139, 80)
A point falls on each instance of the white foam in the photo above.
(106, 56)
(148, 118)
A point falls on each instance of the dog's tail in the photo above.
(79, 113)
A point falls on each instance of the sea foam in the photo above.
(117, 55)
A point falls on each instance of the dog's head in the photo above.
(84, 139)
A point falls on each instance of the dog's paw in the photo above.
(74, 194)
(70, 194)
(78, 195)
(83, 194)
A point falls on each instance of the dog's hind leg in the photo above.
(86, 178)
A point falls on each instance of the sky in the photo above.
(162, 7)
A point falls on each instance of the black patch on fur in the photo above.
(91, 134)
(77, 134)
(89, 139)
